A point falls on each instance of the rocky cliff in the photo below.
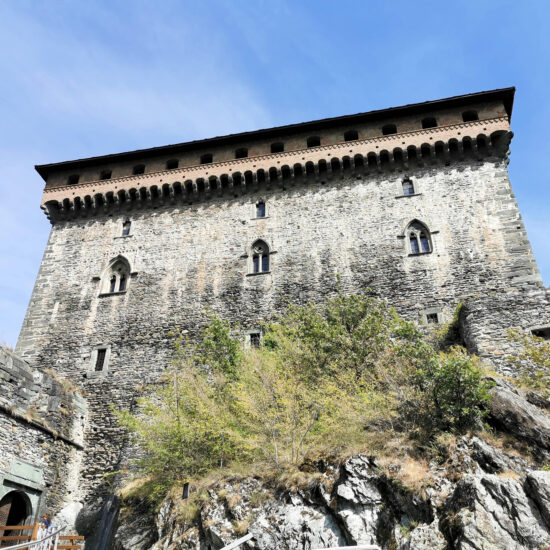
(478, 492)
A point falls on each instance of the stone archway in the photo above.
(15, 508)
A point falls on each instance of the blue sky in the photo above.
(89, 78)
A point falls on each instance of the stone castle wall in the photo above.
(190, 257)
(42, 423)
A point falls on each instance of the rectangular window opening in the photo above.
(432, 319)
(255, 339)
(100, 359)
(542, 332)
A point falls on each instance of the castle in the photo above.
(413, 203)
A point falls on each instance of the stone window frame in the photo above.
(415, 184)
(249, 255)
(248, 336)
(423, 314)
(93, 358)
(108, 274)
(418, 232)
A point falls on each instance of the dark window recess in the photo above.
(73, 180)
(122, 285)
(256, 264)
(260, 209)
(172, 164)
(424, 243)
(138, 169)
(126, 228)
(241, 153)
(429, 122)
(105, 175)
(542, 332)
(255, 339)
(265, 263)
(206, 158)
(100, 359)
(389, 129)
(313, 141)
(112, 286)
(432, 318)
(351, 135)
(408, 187)
(469, 116)
(414, 245)
(185, 492)
(278, 147)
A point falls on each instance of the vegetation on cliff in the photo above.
(323, 378)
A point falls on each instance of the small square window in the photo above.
(73, 180)
(432, 318)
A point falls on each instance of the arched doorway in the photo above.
(15, 508)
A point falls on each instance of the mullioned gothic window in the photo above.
(116, 276)
(418, 238)
(260, 257)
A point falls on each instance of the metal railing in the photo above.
(46, 539)
(246, 538)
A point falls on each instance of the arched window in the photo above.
(260, 257)
(206, 158)
(116, 276)
(389, 129)
(408, 187)
(429, 122)
(313, 141)
(138, 169)
(278, 147)
(418, 237)
(172, 164)
(351, 135)
(469, 116)
(126, 228)
(241, 153)
(260, 209)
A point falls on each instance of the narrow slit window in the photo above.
(260, 209)
(100, 359)
(126, 228)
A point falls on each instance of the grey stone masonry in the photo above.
(42, 423)
(136, 257)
